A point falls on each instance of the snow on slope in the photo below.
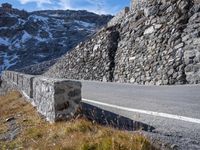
(25, 37)
(30, 38)
(4, 41)
(7, 60)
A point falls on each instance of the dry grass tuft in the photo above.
(78, 134)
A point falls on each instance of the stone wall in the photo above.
(152, 51)
(160, 46)
(56, 99)
(196, 1)
(20, 81)
(157, 44)
(191, 39)
(37, 69)
(118, 17)
(138, 4)
(91, 60)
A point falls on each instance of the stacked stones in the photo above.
(150, 50)
(138, 4)
(37, 69)
(191, 38)
(56, 99)
(19, 81)
(156, 43)
(118, 17)
(91, 60)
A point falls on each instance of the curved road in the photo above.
(173, 110)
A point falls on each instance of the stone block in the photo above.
(137, 4)
(56, 99)
(149, 11)
(20, 81)
(9, 75)
(149, 30)
(196, 41)
(28, 85)
(180, 45)
(15, 78)
(3, 75)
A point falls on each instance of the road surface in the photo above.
(174, 111)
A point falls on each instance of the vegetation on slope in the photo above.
(79, 134)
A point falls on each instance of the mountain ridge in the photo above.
(28, 38)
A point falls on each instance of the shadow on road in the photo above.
(104, 117)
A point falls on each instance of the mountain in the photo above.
(28, 38)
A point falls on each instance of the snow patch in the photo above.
(13, 15)
(40, 39)
(17, 44)
(85, 24)
(41, 55)
(26, 37)
(54, 15)
(4, 41)
(4, 28)
(63, 43)
(8, 61)
(36, 18)
(21, 21)
(59, 22)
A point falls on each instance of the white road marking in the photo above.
(157, 114)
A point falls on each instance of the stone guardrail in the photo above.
(56, 99)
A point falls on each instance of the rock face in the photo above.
(151, 49)
(91, 60)
(191, 38)
(156, 43)
(31, 38)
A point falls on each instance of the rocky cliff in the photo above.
(28, 38)
(157, 43)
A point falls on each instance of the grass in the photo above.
(79, 134)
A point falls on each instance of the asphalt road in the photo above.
(173, 110)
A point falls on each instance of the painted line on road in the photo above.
(157, 114)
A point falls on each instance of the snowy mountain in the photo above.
(31, 38)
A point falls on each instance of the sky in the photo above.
(97, 6)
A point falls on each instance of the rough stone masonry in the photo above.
(56, 99)
(157, 42)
